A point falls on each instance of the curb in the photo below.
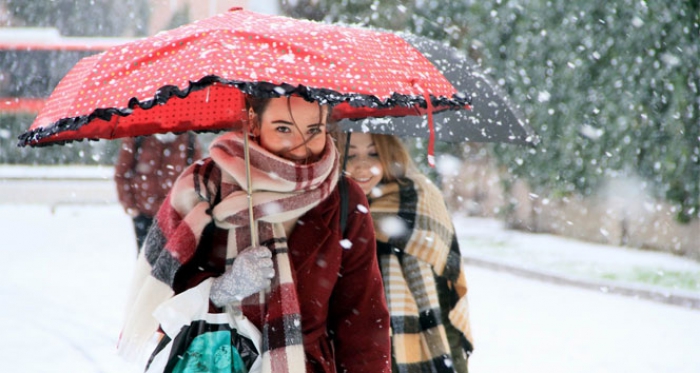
(10, 173)
(690, 301)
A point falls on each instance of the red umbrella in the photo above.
(194, 77)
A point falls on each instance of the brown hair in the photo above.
(393, 155)
(258, 104)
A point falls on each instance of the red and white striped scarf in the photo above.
(283, 190)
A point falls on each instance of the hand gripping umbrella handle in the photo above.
(253, 225)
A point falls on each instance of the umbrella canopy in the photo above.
(194, 78)
(492, 118)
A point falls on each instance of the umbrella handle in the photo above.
(253, 225)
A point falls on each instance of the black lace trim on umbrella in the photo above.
(257, 89)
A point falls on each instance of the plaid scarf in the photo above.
(418, 252)
(283, 191)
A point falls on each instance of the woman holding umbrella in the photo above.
(315, 292)
(324, 310)
(419, 257)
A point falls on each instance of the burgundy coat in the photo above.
(345, 319)
(343, 309)
(144, 180)
(341, 288)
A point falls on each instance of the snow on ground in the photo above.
(56, 172)
(63, 281)
(523, 325)
(66, 267)
(487, 239)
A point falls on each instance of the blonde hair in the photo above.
(393, 155)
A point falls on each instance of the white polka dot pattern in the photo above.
(237, 46)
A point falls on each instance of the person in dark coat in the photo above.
(311, 286)
(146, 169)
(420, 260)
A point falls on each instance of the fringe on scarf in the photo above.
(282, 190)
(423, 276)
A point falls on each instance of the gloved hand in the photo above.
(250, 273)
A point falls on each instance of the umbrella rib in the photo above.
(114, 128)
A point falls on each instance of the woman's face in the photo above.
(296, 132)
(363, 164)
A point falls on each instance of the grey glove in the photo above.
(250, 273)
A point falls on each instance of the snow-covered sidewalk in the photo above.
(649, 275)
(57, 185)
(63, 282)
(22, 172)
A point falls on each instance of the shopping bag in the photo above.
(198, 341)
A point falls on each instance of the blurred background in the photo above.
(611, 88)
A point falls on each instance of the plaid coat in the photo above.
(325, 305)
(424, 279)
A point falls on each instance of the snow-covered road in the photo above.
(63, 279)
(523, 325)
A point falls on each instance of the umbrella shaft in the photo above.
(253, 228)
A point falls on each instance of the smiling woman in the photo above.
(419, 257)
(375, 158)
(318, 304)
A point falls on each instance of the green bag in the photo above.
(204, 347)
(197, 341)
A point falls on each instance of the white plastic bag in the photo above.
(192, 305)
